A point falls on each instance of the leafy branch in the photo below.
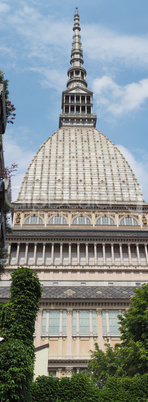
(10, 109)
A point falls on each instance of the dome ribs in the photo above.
(79, 165)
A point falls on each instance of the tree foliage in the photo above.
(134, 323)
(16, 368)
(17, 320)
(131, 356)
(125, 389)
(80, 388)
(75, 389)
(3, 258)
(10, 109)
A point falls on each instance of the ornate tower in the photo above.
(80, 221)
(77, 99)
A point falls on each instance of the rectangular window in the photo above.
(54, 322)
(66, 109)
(84, 322)
(104, 322)
(83, 100)
(44, 317)
(52, 373)
(64, 316)
(77, 109)
(77, 99)
(72, 98)
(74, 322)
(113, 322)
(72, 109)
(83, 109)
(94, 321)
(88, 99)
(88, 109)
(66, 99)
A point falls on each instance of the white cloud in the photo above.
(51, 78)
(14, 153)
(46, 37)
(118, 99)
(140, 169)
(107, 45)
(4, 8)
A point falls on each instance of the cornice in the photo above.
(78, 235)
(80, 207)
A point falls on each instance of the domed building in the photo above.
(80, 221)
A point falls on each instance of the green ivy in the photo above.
(17, 320)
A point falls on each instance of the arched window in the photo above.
(57, 220)
(105, 220)
(33, 220)
(128, 221)
(81, 220)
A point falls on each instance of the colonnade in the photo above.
(45, 254)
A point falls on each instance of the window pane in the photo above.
(105, 220)
(94, 321)
(81, 220)
(129, 220)
(57, 220)
(113, 322)
(84, 322)
(44, 321)
(33, 220)
(74, 322)
(104, 322)
(54, 322)
(64, 322)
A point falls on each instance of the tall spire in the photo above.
(76, 56)
(77, 99)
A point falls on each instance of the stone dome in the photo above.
(79, 165)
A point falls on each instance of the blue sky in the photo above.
(35, 46)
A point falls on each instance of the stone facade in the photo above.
(80, 221)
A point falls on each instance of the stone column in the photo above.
(121, 255)
(77, 335)
(91, 330)
(59, 372)
(35, 252)
(69, 371)
(17, 254)
(61, 253)
(146, 253)
(52, 253)
(78, 254)
(104, 259)
(69, 257)
(138, 255)
(9, 254)
(43, 257)
(60, 334)
(112, 254)
(129, 254)
(100, 328)
(86, 250)
(69, 333)
(26, 254)
(95, 254)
